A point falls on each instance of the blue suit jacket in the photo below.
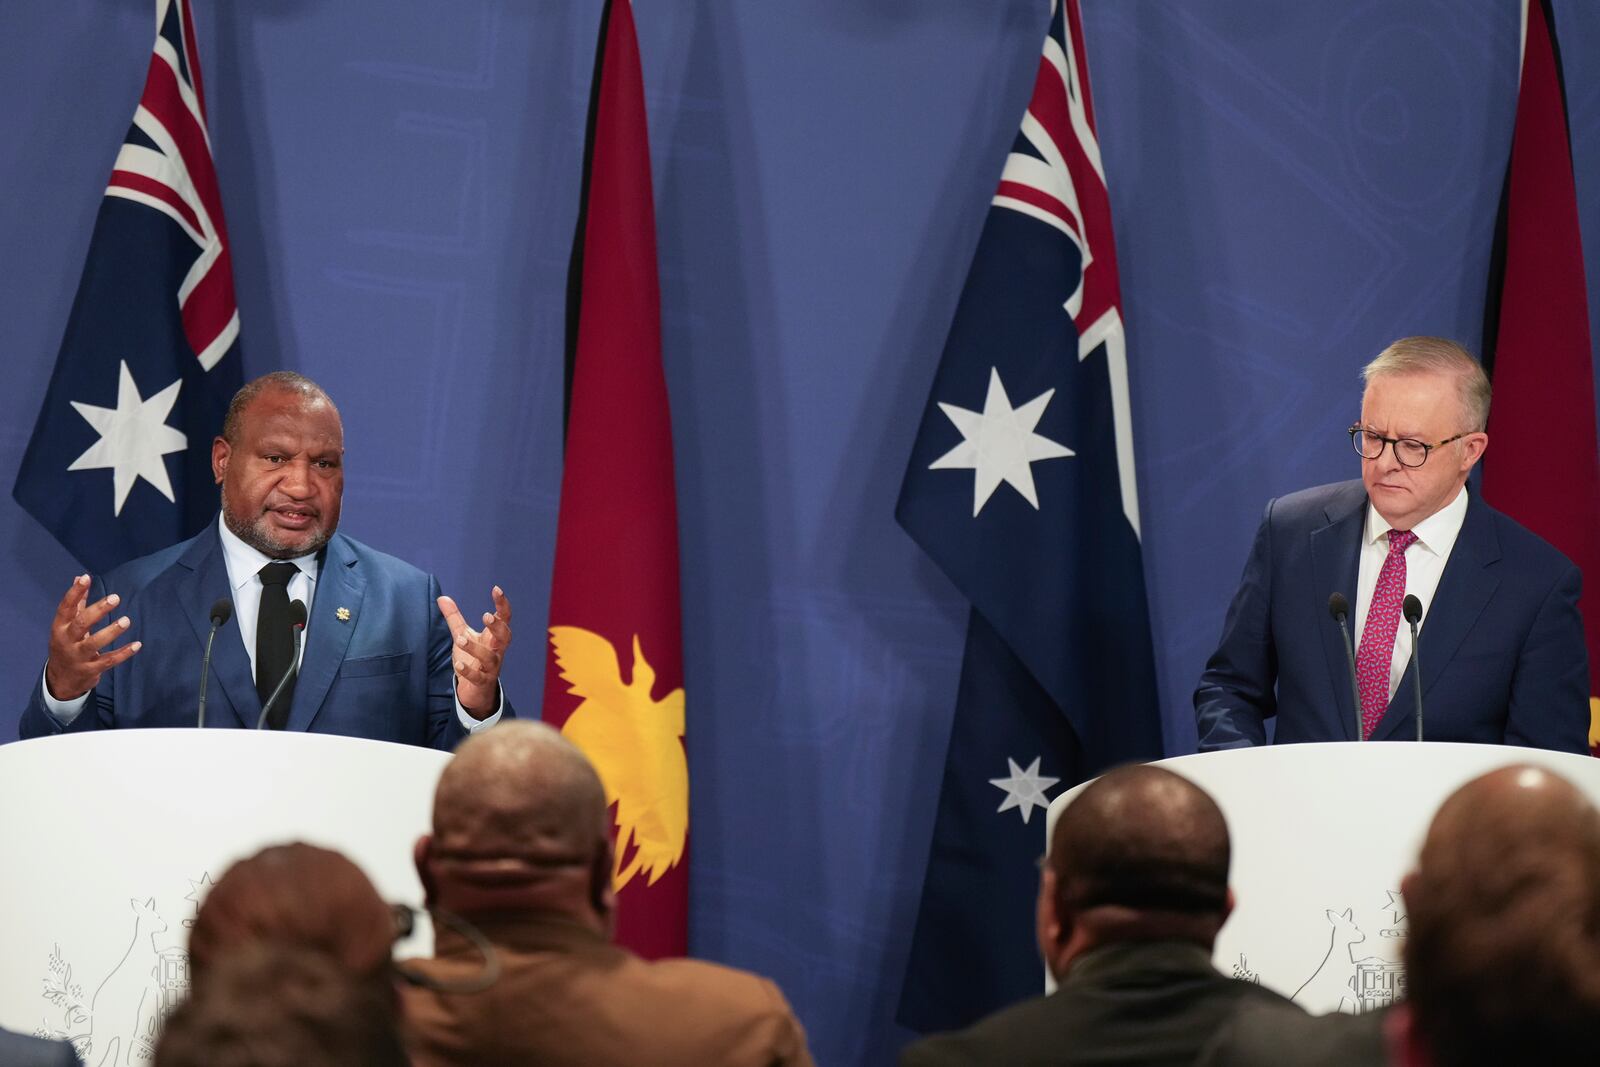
(1501, 648)
(20, 1050)
(383, 672)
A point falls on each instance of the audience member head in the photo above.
(276, 1006)
(519, 824)
(298, 896)
(1503, 953)
(1140, 855)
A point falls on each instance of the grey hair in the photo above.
(1436, 355)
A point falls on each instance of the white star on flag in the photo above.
(1024, 789)
(133, 437)
(999, 444)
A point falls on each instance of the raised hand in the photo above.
(76, 658)
(478, 654)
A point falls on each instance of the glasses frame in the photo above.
(1393, 444)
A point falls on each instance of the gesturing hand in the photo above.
(477, 654)
(76, 661)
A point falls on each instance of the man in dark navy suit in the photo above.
(385, 656)
(1502, 648)
(1130, 902)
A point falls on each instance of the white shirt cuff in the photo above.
(64, 711)
(471, 725)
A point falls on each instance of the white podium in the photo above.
(110, 839)
(1322, 835)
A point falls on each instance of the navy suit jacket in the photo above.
(376, 661)
(1501, 647)
(20, 1050)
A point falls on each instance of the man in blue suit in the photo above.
(1502, 648)
(385, 656)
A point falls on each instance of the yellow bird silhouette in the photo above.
(636, 745)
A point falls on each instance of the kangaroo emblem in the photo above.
(126, 1009)
(1331, 982)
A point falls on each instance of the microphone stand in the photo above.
(299, 619)
(1339, 608)
(221, 612)
(1413, 612)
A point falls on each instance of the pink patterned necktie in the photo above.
(1376, 654)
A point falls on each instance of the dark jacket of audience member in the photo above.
(1269, 1035)
(520, 849)
(1129, 908)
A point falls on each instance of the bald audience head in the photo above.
(1503, 954)
(1140, 855)
(519, 823)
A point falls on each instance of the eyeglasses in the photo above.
(1408, 450)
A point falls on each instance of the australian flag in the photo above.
(120, 460)
(1021, 487)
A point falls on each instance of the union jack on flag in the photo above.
(119, 464)
(1021, 487)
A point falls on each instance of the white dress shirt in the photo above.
(244, 563)
(1425, 560)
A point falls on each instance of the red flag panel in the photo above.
(1543, 465)
(614, 676)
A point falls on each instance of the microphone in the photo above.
(1411, 607)
(221, 612)
(297, 622)
(1339, 608)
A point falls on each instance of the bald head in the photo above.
(1503, 954)
(519, 813)
(1492, 815)
(1143, 838)
(1141, 854)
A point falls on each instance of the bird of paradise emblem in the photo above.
(635, 743)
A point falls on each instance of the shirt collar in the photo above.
(1437, 533)
(245, 561)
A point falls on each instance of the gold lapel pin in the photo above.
(343, 614)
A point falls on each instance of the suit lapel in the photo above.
(1465, 587)
(1335, 557)
(206, 582)
(340, 584)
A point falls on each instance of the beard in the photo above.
(256, 533)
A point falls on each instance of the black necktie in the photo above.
(275, 640)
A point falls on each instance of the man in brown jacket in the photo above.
(520, 851)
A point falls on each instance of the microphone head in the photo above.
(1338, 607)
(221, 611)
(1411, 607)
(297, 614)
